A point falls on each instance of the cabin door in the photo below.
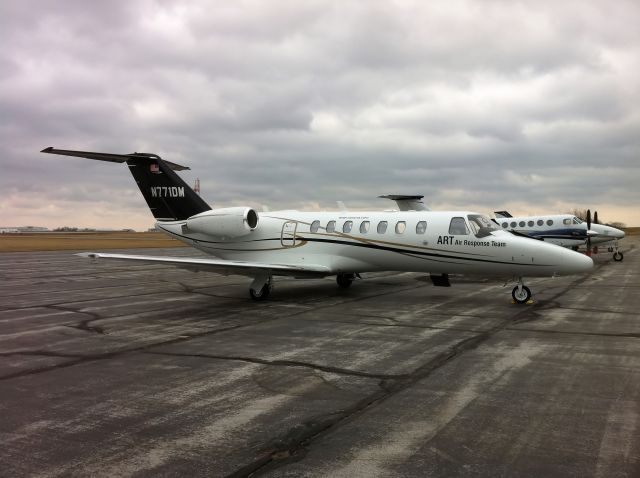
(288, 236)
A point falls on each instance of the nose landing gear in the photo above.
(617, 255)
(521, 293)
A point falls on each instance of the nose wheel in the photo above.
(521, 293)
(617, 255)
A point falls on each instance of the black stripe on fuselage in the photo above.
(416, 253)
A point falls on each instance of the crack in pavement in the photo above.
(293, 445)
(409, 326)
(182, 338)
(84, 324)
(583, 309)
(93, 357)
(288, 363)
(59, 304)
(632, 335)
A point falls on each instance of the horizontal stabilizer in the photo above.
(407, 202)
(169, 198)
(114, 158)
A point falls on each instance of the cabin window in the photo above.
(382, 227)
(540, 222)
(421, 227)
(530, 224)
(521, 224)
(331, 226)
(505, 224)
(566, 222)
(401, 226)
(458, 226)
(346, 227)
(513, 224)
(364, 227)
(315, 225)
(550, 222)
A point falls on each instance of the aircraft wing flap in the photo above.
(220, 266)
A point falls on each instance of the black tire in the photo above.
(618, 256)
(262, 295)
(521, 298)
(344, 280)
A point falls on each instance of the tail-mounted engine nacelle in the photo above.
(224, 223)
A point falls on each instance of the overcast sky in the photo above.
(483, 105)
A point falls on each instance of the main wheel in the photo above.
(344, 280)
(521, 296)
(262, 294)
(618, 256)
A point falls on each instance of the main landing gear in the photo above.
(521, 293)
(261, 287)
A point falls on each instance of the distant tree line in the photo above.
(582, 214)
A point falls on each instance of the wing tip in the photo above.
(91, 255)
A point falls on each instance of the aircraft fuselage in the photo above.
(420, 241)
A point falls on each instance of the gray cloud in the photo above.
(475, 104)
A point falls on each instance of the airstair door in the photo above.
(288, 237)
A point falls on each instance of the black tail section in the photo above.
(167, 195)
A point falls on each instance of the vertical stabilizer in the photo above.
(169, 198)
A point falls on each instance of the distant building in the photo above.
(14, 230)
(32, 229)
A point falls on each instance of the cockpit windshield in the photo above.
(481, 225)
(577, 220)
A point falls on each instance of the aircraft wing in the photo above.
(220, 266)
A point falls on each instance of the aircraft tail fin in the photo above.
(169, 198)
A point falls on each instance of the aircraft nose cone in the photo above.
(576, 263)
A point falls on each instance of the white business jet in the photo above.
(343, 243)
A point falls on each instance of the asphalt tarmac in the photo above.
(113, 369)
